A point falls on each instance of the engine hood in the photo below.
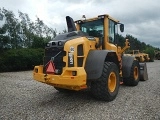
(60, 39)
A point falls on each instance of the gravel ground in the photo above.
(22, 98)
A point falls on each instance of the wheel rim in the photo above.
(112, 82)
(136, 73)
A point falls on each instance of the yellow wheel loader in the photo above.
(141, 57)
(88, 57)
(146, 57)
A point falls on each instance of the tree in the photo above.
(12, 27)
(27, 29)
(38, 42)
(121, 40)
(22, 32)
(150, 51)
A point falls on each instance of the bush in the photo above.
(20, 59)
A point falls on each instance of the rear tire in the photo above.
(106, 87)
(134, 77)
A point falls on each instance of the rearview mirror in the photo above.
(122, 27)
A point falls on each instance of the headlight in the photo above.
(47, 44)
(60, 43)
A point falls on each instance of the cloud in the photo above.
(141, 18)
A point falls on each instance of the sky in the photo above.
(140, 17)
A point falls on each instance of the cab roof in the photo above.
(98, 17)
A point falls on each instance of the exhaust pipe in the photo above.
(70, 24)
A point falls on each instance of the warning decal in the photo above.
(50, 67)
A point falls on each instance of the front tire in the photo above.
(106, 87)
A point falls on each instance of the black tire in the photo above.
(134, 77)
(101, 89)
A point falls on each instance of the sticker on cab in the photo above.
(71, 49)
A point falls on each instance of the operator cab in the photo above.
(102, 26)
(93, 28)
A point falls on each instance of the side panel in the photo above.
(95, 61)
(126, 65)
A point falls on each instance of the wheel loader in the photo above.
(88, 57)
(141, 57)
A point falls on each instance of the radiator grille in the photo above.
(57, 53)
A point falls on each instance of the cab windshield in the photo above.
(93, 28)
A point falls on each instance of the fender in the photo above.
(126, 65)
(95, 61)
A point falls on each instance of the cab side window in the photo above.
(111, 31)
